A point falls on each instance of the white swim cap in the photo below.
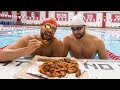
(78, 20)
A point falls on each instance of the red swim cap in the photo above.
(49, 20)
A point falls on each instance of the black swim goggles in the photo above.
(77, 28)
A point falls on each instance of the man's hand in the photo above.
(34, 44)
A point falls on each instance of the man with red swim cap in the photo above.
(43, 44)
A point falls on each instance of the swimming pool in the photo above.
(111, 39)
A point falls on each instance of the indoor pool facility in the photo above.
(111, 37)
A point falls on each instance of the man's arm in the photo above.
(101, 50)
(9, 54)
(18, 49)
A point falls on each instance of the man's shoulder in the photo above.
(97, 39)
(57, 40)
(68, 36)
(93, 37)
(31, 36)
(28, 37)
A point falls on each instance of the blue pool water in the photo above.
(111, 42)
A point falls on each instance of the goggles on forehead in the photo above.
(47, 26)
(77, 28)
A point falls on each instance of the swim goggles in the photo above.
(77, 28)
(47, 26)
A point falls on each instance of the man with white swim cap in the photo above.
(43, 44)
(81, 44)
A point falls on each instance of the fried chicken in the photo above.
(59, 68)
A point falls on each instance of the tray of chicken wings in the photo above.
(57, 68)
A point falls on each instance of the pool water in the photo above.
(111, 42)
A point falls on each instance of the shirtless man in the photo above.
(44, 44)
(81, 44)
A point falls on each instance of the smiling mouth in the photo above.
(47, 35)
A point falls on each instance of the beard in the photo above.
(79, 35)
(46, 36)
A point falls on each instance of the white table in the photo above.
(9, 69)
(101, 69)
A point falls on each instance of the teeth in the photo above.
(47, 34)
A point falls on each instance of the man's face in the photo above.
(47, 31)
(78, 31)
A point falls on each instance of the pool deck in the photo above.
(97, 69)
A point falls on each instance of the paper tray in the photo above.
(30, 71)
(34, 70)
